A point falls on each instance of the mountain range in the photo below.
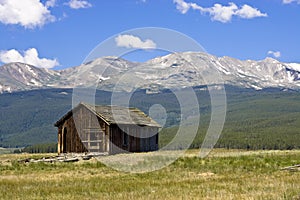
(257, 94)
(177, 70)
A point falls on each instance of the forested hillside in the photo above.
(267, 119)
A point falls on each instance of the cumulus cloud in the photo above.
(27, 13)
(275, 54)
(77, 4)
(50, 3)
(249, 12)
(131, 41)
(220, 12)
(30, 56)
(182, 6)
(290, 1)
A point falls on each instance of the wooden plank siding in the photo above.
(68, 138)
(83, 136)
(138, 139)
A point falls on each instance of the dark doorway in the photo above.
(64, 146)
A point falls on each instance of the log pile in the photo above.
(63, 158)
(292, 168)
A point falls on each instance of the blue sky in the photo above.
(61, 33)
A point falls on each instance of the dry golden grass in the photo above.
(223, 175)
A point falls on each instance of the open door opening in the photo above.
(64, 141)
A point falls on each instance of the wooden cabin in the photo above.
(106, 129)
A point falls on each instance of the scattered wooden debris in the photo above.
(292, 168)
(63, 158)
(71, 160)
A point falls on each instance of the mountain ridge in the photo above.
(176, 70)
(260, 119)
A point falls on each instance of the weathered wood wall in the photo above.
(88, 134)
(93, 131)
(68, 139)
(138, 139)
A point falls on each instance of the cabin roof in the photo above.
(115, 115)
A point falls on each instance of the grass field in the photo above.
(225, 174)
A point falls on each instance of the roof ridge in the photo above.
(114, 114)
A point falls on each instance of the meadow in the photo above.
(224, 174)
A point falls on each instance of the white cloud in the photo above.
(130, 41)
(50, 3)
(275, 54)
(249, 12)
(77, 4)
(219, 12)
(182, 6)
(30, 56)
(290, 1)
(27, 13)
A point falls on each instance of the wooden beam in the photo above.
(107, 136)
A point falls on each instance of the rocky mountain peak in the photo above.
(176, 70)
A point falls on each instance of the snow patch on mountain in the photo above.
(294, 66)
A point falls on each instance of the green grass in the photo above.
(223, 175)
